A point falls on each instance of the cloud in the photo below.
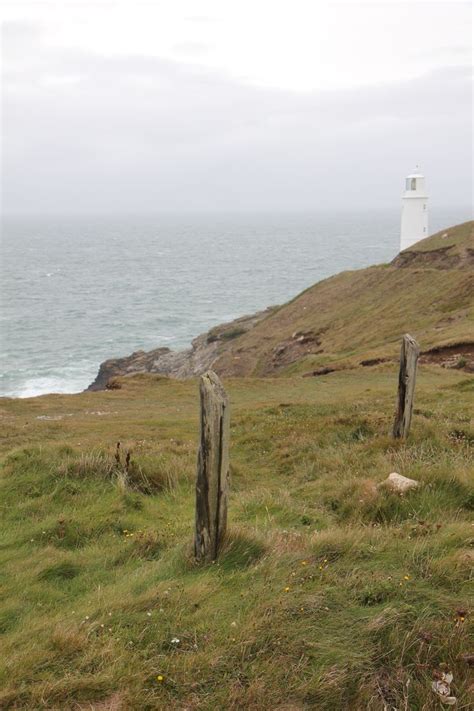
(192, 49)
(86, 132)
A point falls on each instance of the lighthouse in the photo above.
(414, 210)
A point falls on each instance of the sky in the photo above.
(233, 105)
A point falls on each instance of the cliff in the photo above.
(349, 320)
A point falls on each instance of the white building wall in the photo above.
(414, 224)
(414, 221)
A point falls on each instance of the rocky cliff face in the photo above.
(442, 258)
(204, 351)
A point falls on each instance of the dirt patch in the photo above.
(373, 361)
(319, 371)
(459, 356)
(300, 345)
(442, 258)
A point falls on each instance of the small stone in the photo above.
(400, 484)
(442, 687)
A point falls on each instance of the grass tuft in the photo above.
(65, 570)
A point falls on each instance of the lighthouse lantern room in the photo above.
(414, 210)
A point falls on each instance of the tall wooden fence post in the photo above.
(212, 481)
(406, 386)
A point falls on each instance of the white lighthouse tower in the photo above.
(414, 210)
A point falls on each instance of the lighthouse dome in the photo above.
(416, 173)
(415, 184)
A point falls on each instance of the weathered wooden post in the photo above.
(406, 386)
(212, 482)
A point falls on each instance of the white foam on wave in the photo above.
(47, 386)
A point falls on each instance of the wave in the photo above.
(34, 387)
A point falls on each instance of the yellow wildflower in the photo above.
(160, 678)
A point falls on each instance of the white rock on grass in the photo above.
(400, 484)
(442, 687)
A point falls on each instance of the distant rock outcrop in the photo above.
(442, 258)
(178, 364)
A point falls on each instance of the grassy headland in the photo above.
(358, 315)
(350, 319)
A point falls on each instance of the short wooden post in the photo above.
(406, 386)
(212, 482)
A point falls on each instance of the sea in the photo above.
(76, 290)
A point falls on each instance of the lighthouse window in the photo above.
(413, 184)
(407, 184)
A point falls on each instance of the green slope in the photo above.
(361, 315)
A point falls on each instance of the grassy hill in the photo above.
(331, 592)
(360, 315)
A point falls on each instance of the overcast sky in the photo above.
(240, 105)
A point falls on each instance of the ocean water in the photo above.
(77, 290)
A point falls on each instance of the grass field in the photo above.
(331, 593)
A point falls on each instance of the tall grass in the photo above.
(330, 593)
